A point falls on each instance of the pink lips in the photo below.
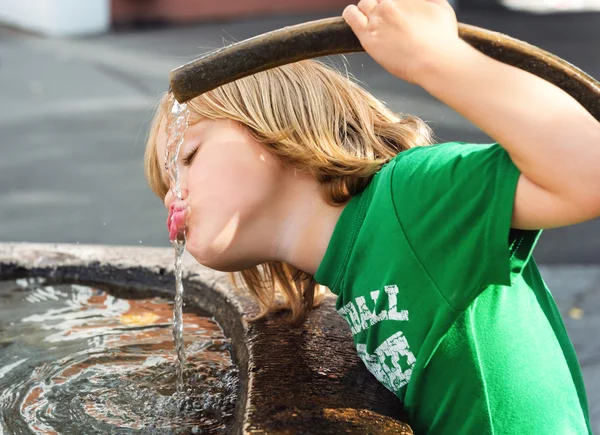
(176, 220)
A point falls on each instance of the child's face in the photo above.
(230, 183)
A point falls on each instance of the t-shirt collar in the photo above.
(341, 243)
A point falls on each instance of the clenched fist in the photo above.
(406, 37)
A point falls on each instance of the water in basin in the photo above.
(86, 360)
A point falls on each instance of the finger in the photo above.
(367, 6)
(355, 18)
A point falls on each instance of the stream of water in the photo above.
(177, 124)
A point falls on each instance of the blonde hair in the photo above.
(316, 120)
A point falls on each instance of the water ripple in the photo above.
(78, 359)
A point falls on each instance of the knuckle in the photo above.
(348, 10)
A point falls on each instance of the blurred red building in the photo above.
(178, 11)
(72, 18)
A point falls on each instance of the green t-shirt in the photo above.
(446, 307)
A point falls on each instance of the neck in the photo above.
(305, 224)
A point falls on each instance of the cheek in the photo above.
(222, 185)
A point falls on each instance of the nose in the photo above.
(170, 196)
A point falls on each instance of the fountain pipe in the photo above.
(333, 36)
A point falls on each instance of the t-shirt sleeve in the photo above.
(454, 203)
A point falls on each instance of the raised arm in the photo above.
(551, 138)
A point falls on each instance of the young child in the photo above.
(297, 176)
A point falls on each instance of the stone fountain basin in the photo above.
(292, 381)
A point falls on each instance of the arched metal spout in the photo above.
(269, 50)
(333, 36)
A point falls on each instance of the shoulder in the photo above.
(439, 154)
(447, 162)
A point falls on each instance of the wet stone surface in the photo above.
(294, 421)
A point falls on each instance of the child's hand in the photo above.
(405, 36)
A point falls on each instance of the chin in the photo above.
(216, 259)
(219, 264)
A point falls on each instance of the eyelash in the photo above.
(187, 160)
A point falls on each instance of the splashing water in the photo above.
(178, 314)
(177, 124)
(82, 360)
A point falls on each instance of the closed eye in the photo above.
(187, 160)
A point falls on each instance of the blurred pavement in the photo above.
(74, 118)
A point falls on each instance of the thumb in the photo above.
(355, 19)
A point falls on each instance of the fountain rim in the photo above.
(147, 269)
